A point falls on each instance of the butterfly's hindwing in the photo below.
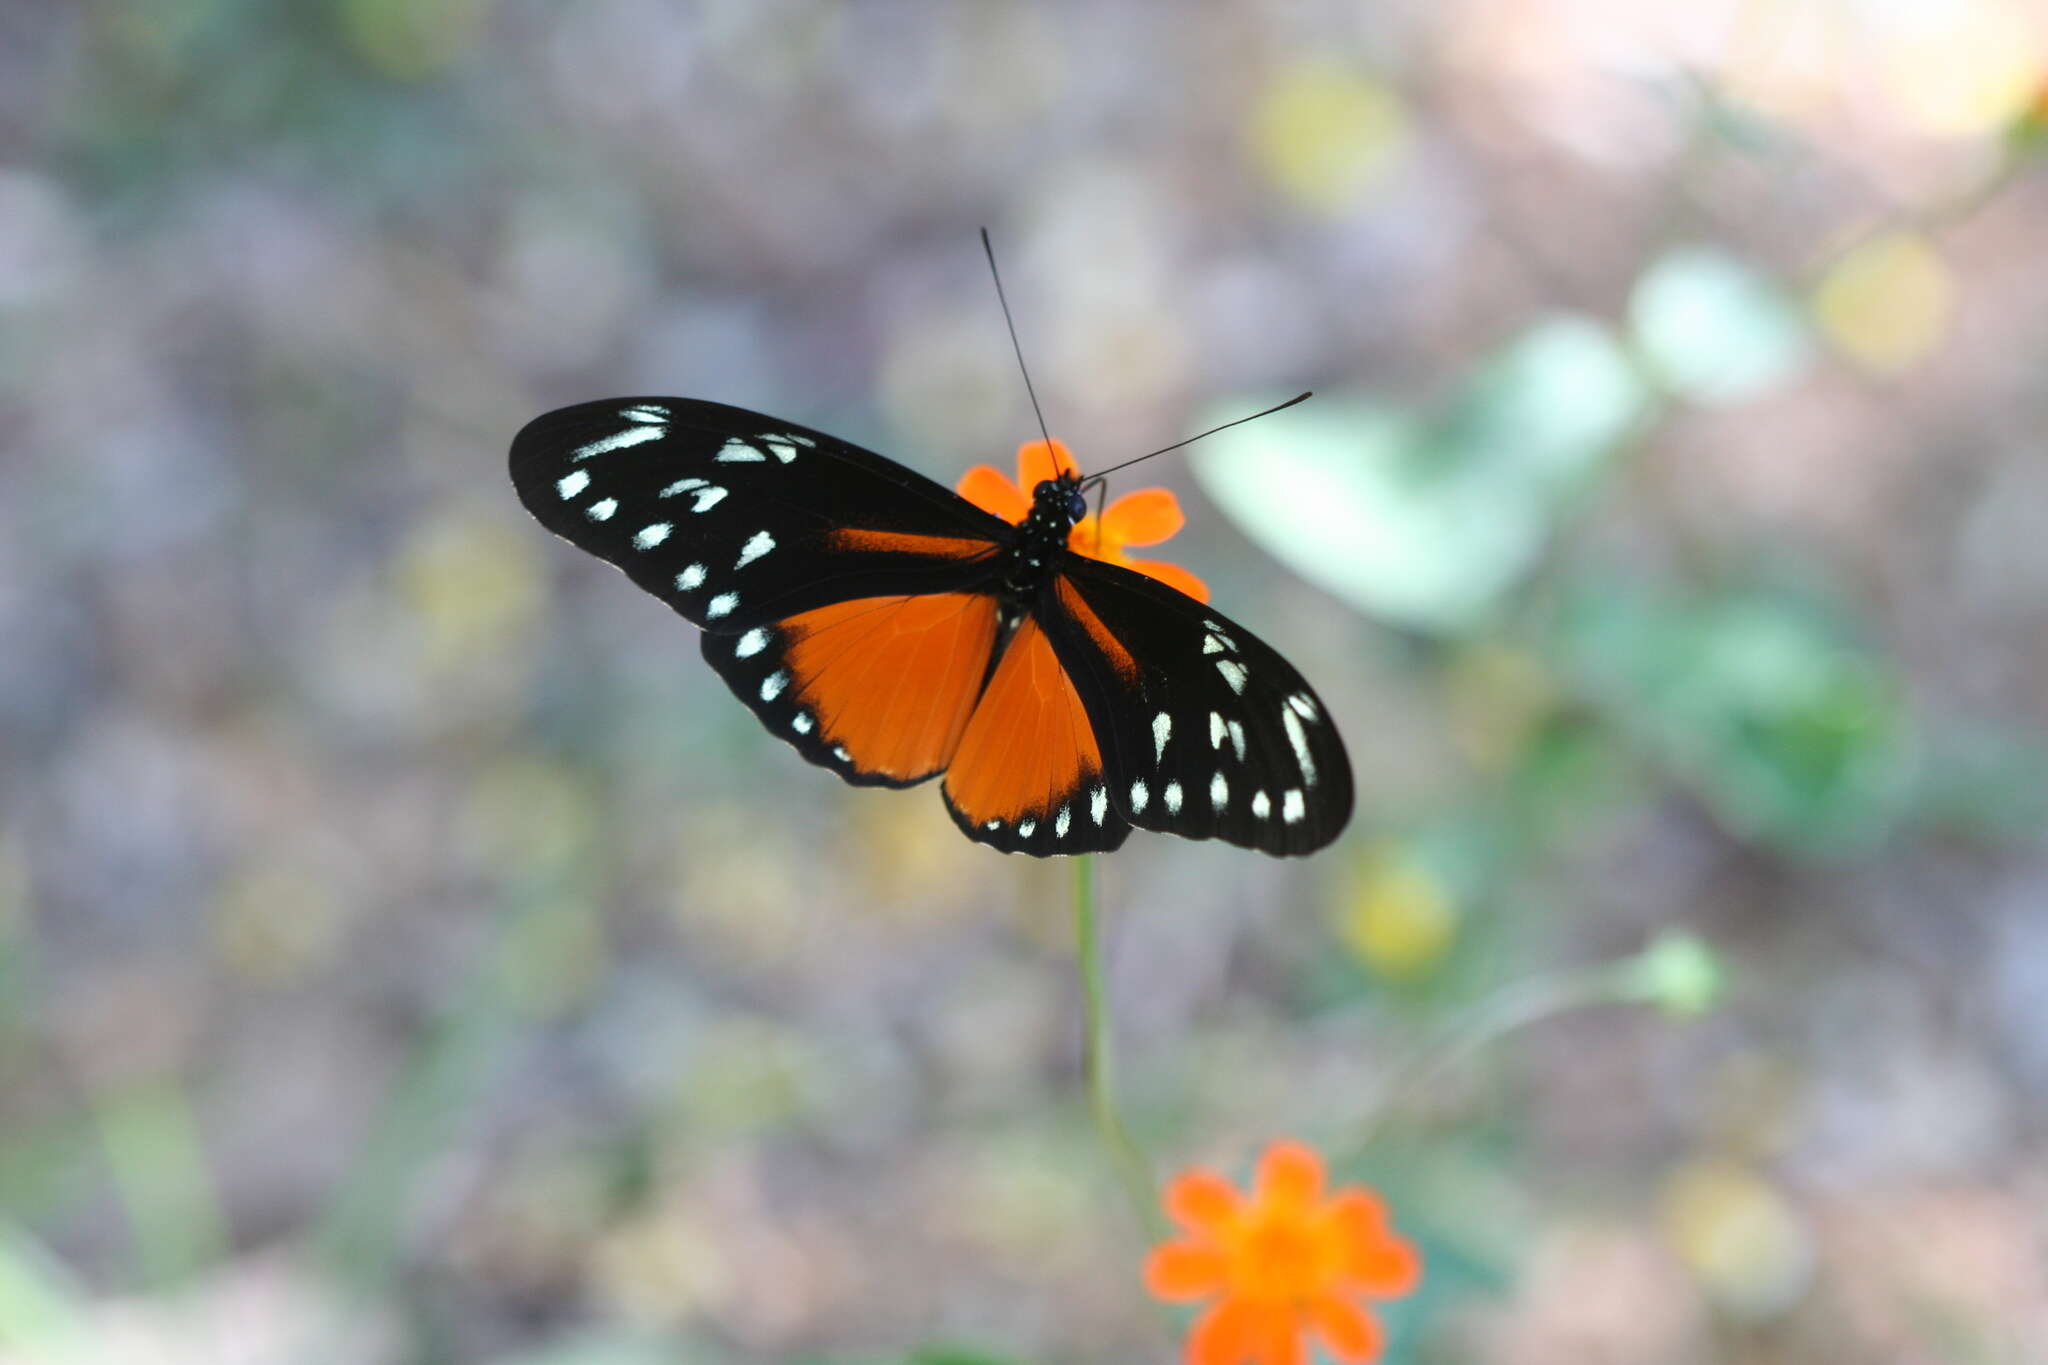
(1028, 774)
(736, 519)
(1206, 731)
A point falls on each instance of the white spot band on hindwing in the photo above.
(602, 510)
(572, 483)
(1233, 673)
(1292, 807)
(1262, 806)
(721, 605)
(752, 643)
(760, 543)
(708, 498)
(1098, 804)
(650, 536)
(1172, 796)
(1162, 730)
(1219, 792)
(1026, 828)
(772, 685)
(691, 579)
(1139, 796)
(1299, 740)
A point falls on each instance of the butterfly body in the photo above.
(893, 631)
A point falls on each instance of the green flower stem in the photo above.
(1131, 1166)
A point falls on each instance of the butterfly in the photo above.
(893, 631)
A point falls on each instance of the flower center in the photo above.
(1280, 1260)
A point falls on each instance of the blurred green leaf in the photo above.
(1756, 700)
(1714, 330)
(1427, 521)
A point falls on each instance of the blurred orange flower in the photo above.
(1145, 517)
(1285, 1265)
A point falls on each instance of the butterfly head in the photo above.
(1060, 501)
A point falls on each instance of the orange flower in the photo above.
(1284, 1265)
(1145, 517)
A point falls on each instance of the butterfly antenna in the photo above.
(1100, 473)
(997, 276)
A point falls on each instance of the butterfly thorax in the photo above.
(1056, 505)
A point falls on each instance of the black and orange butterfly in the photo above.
(891, 630)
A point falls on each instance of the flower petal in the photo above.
(1228, 1334)
(1353, 1335)
(1385, 1267)
(1290, 1175)
(1092, 538)
(1179, 1271)
(1035, 466)
(1283, 1341)
(1172, 575)
(1203, 1202)
(1145, 517)
(986, 487)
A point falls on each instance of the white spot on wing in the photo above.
(1139, 796)
(1212, 626)
(1237, 739)
(691, 579)
(681, 486)
(800, 723)
(772, 685)
(602, 511)
(1162, 730)
(619, 440)
(993, 824)
(721, 605)
(1262, 806)
(752, 643)
(708, 498)
(781, 450)
(1213, 644)
(1172, 795)
(650, 536)
(1300, 743)
(1061, 821)
(1292, 807)
(1026, 828)
(645, 412)
(760, 543)
(1098, 804)
(839, 752)
(1233, 673)
(1219, 792)
(737, 451)
(1215, 729)
(804, 441)
(1304, 705)
(572, 483)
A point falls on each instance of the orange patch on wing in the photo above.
(1029, 748)
(906, 543)
(1112, 648)
(893, 679)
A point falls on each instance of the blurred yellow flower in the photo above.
(1887, 302)
(1740, 1236)
(1326, 134)
(1397, 917)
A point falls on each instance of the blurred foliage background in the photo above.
(408, 951)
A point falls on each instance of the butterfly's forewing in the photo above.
(1206, 732)
(839, 591)
(737, 519)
